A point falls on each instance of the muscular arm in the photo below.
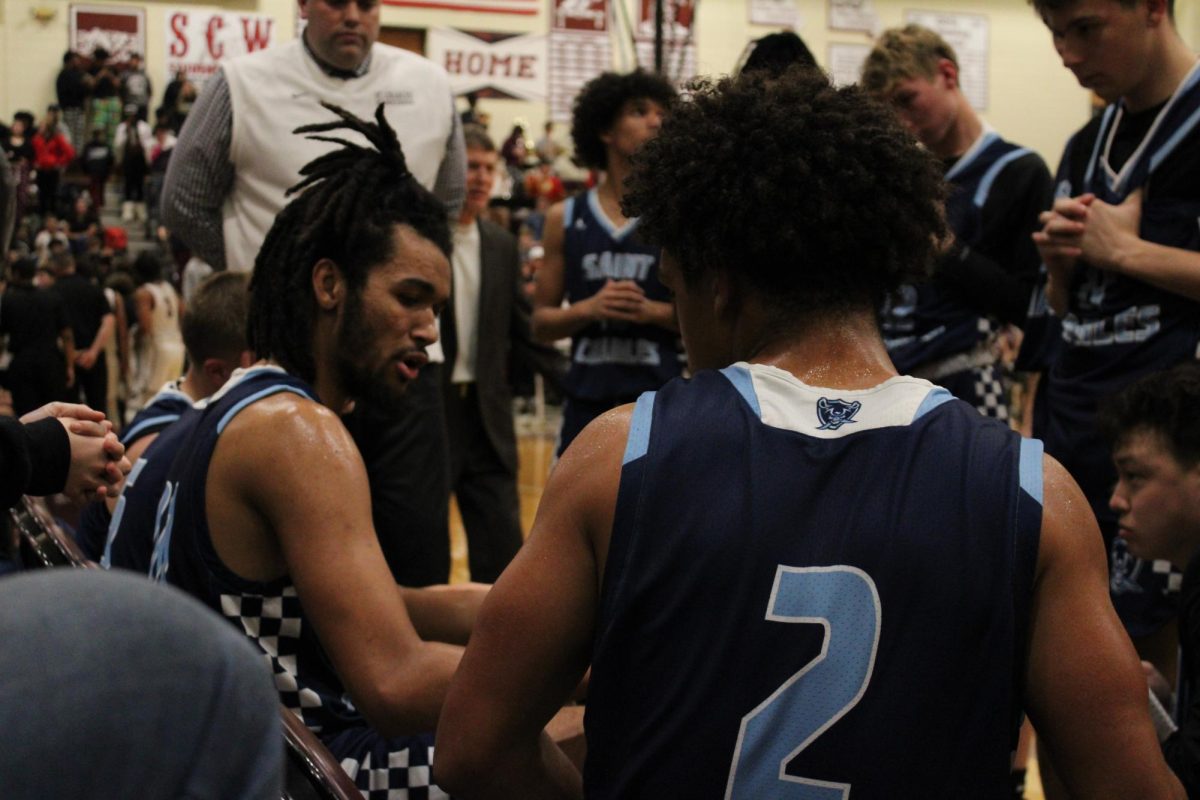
(534, 636)
(1001, 281)
(287, 476)
(551, 321)
(1085, 691)
(445, 613)
(199, 174)
(1111, 242)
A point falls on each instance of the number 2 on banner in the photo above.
(845, 602)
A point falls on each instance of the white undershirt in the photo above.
(467, 271)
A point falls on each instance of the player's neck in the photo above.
(192, 385)
(1171, 65)
(610, 191)
(467, 217)
(327, 378)
(836, 351)
(965, 131)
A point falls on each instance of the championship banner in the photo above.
(526, 7)
(198, 40)
(679, 44)
(510, 65)
(580, 49)
(121, 31)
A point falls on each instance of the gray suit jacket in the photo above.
(504, 334)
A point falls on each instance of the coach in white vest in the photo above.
(237, 154)
(235, 159)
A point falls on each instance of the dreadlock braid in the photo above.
(346, 208)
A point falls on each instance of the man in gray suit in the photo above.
(485, 322)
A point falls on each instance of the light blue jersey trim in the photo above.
(985, 186)
(254, 398)
(133, 433)
(932, 400)
(1030, 470)
(639, 428)
(593, 201)
(741, 380)
(1170, 145)
(568, 213)
(1100, 136)
(972, 156)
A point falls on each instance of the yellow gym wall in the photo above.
(1032, 99)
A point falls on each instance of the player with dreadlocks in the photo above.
(266, 516)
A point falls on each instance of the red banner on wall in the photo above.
(120, 31)
(528, 7)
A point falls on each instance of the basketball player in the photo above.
(1155, 435)
(945, 330)
(623, 332)
(266, 514)
(798, 574)
(214, 332)
(1122, 249)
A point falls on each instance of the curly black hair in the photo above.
(815, 195)
(349, 203)
(599, 102)
(1163, 403)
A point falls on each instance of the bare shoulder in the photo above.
(286, 434)
(1070, 535)
(585, 482)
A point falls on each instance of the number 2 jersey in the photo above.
(815, 586)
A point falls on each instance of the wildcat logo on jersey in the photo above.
(833, 414)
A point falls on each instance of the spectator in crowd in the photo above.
(73, 87)
(547, 148)
(160, 157)
(35, 322)
(92, 324)
(98, 166)
(105, 108)
(133, 145)
(513, 150)
(19, 150)
(135, 87)
(52, 154)
(82, 223)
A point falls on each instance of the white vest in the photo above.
(273, 92)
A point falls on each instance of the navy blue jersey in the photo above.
(95, 525)
(130, 535)
(611, 359)
(829, 585)
(997, 190)
(1117, 328)
(163, 409)
(269, 613)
